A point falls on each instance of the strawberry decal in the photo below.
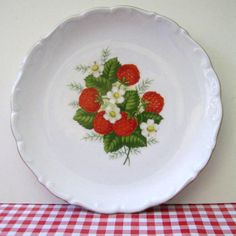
(102, 125)
(128, 74)
(154, 102)
(115, 107)
(89, 100)
(125, 126)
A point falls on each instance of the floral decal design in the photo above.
(116, 108)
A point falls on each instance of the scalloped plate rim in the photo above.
(94, 206)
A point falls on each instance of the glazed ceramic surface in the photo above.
(81, 172)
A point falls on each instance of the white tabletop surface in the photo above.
(211, 23)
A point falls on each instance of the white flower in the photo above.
(116, 95)
(96, 68)
(112, 113)
(149, 128)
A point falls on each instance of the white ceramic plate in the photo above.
(51, 143)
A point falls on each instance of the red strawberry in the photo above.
(88, 100)
(128, 73)
(101, 125)
(125, 126)
(154, 101)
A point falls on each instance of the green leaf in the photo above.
(110, 69)
(131, 102)
(84, 118)
(144, 116)
(101, 84)
(112, 142)
(135, 140)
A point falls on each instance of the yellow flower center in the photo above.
(112, 113)
(95, 67)
(116, 95)
(151, 128)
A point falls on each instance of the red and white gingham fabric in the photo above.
(25, 219)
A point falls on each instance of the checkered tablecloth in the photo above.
(25, 219)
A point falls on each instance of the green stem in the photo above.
(127, 157)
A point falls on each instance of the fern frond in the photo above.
(118, 154)
(75, 86)
(151, 141)
(144, 85)
(135, 151)
(92, 137)
(105, 55)
(73, 104)
(82, 68)
(123, 152)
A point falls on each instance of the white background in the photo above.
(211, 23)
